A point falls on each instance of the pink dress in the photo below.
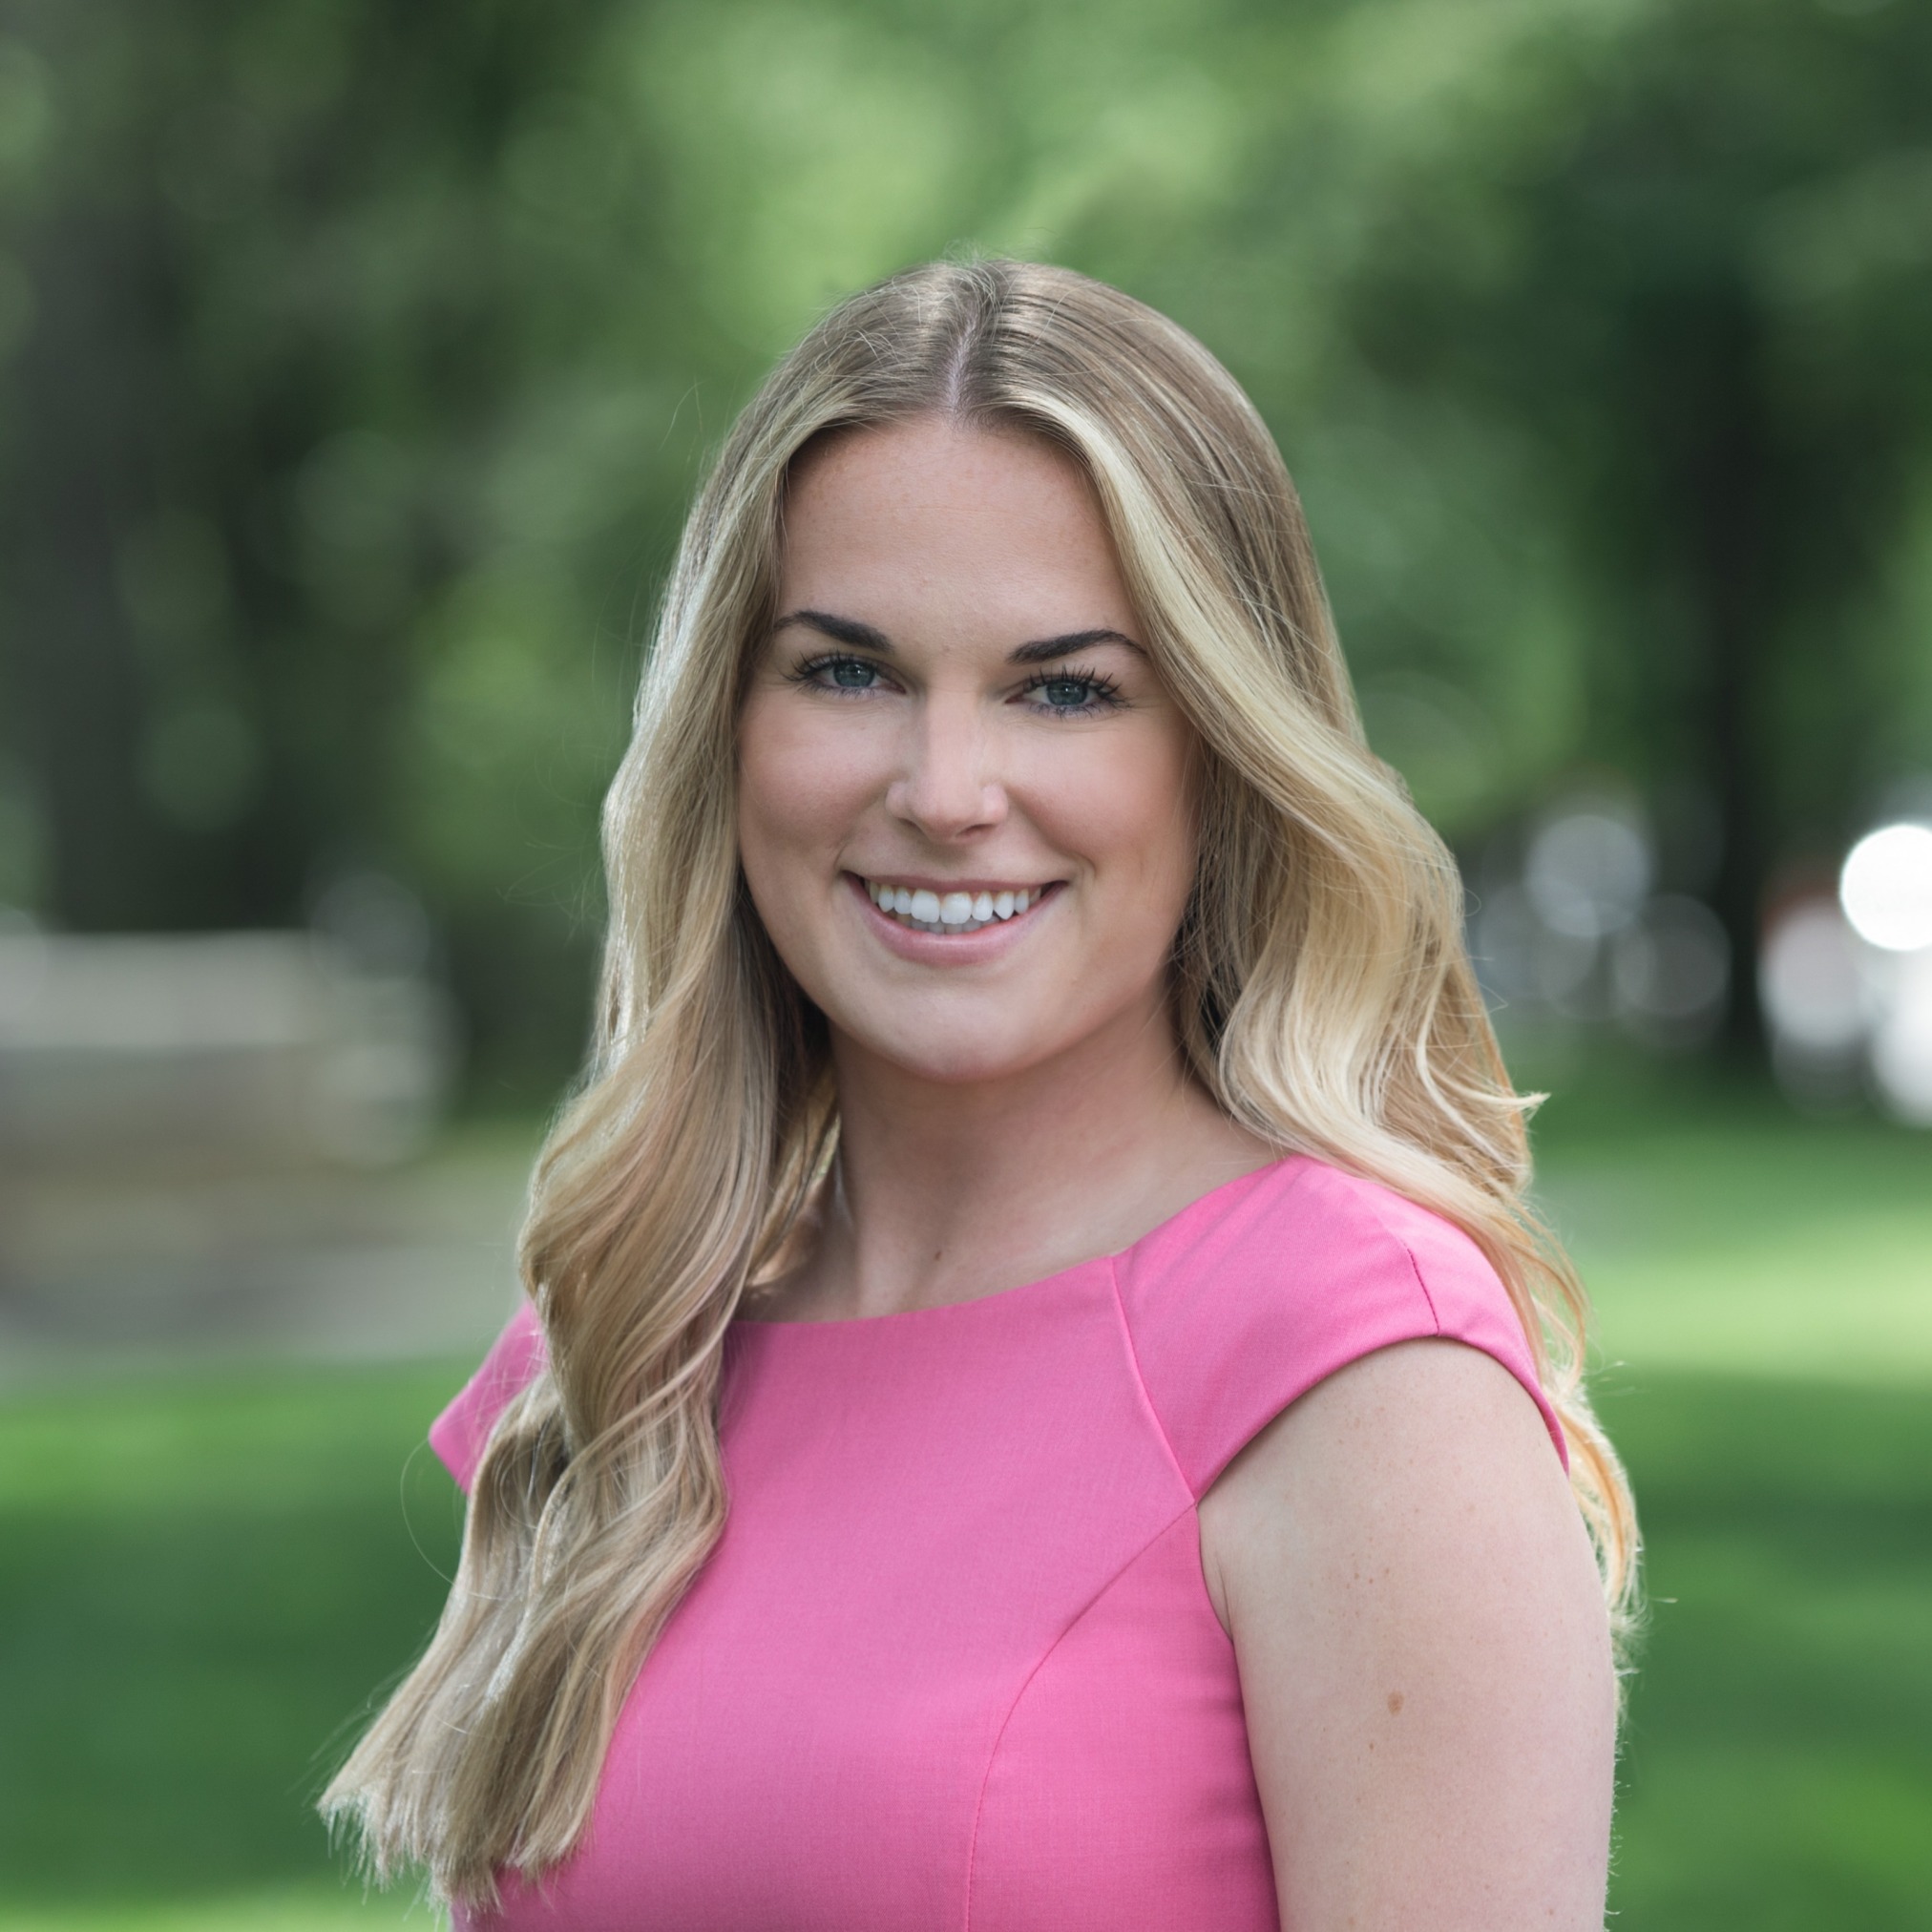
(953, 1664)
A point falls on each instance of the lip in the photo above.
(966, 948)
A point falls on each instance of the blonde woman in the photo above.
(1040, 1405)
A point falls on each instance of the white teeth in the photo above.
(953, 912)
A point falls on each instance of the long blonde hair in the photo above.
(1322, 995)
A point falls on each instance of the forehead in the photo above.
(936, 512)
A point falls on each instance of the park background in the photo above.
(356, 363)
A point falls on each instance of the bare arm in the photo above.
(1424, 1654)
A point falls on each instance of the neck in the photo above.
(946, 1191)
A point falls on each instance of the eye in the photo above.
(1072, 694)
(840, 674)
(1067, 694)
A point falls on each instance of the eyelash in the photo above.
(807, 672)
(1105, 691)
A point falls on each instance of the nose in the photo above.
(949, 786)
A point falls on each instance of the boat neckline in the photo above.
(751, 1324)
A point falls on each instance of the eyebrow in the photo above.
(870, 638)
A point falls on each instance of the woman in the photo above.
(1042, 1406)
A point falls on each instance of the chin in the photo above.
(949, 1057)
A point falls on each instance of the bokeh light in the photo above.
(1669, 972)
(1809, 980)
(1901, 1044)
(1886, 888)
(1587, 872)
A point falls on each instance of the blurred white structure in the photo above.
(1902, 1041)
(256, 1048)
(203, 1147)
(1814, 989)
(1846, 979)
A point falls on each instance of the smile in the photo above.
(926, 910)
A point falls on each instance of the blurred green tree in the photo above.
(355, 365)
(1696, 281)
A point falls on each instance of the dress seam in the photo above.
(1074, 1621)
(1039, 1663)
(1408, 1254)
(1141, 1380)
(1415, 1269)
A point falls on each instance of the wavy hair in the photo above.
(1322, 995)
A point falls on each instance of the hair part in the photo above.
(1322, 994)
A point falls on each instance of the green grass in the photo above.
(326, 1906)
(1764, 1292)
(203, 1579)
(1777, 1767)
(1719, 1233)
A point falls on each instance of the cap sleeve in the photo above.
(516, 1360)
(1305, 1270)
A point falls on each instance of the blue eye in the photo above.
(839, 674)
(1073, 694)
(1067, 694)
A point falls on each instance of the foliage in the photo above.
(358, 360)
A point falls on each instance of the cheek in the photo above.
(800, 781)
(1131, 808)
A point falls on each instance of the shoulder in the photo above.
(1422, 1643)
(516, 1360)
(1240, 1305)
